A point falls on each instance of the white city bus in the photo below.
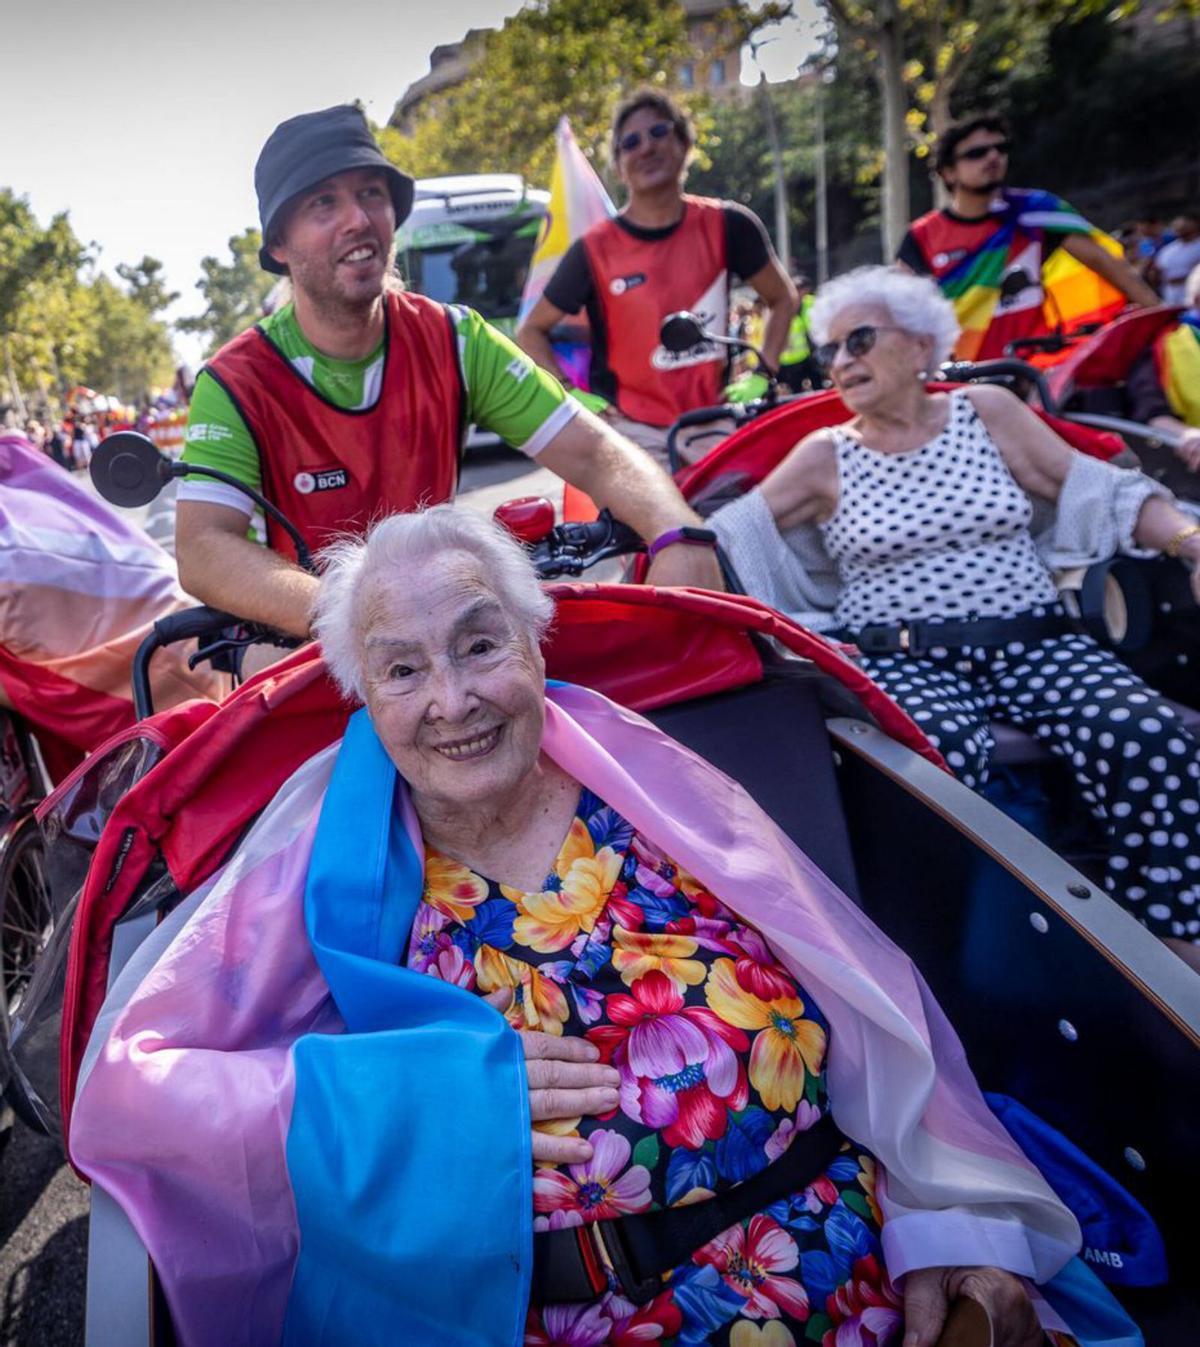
(469, 240)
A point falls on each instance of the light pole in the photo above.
(782, 241)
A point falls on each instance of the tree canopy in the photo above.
(554, 56)
(63, 323)
(234, 291)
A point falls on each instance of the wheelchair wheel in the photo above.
(26, 922)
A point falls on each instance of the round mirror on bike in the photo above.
(128, 470)
(681, 331)
(528, 518)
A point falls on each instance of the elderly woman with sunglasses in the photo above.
(926, 529)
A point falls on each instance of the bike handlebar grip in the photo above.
(182, 626)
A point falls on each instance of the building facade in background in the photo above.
(716, 65)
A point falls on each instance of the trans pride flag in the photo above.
(997, 275)
(79, 587)
(319, 1145)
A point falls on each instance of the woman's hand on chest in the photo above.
(567, 1082)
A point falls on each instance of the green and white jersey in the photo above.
(506, 393)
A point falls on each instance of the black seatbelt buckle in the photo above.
(884, 640)
(640, 1290)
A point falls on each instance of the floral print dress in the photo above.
(722, 1061)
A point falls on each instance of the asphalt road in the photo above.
(43, 1206)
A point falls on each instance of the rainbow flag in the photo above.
(1177, 357)
(1002, 284)
(577, 201)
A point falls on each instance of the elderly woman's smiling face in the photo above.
(891, 363)
(453, 683)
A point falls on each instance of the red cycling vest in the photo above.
(330, 470)
(638, 282)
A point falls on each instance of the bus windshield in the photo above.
(483, 267)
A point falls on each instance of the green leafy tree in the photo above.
(922, 51)
(32, 260)
(234, 291)
(130, 351)
(146, 285)
(578, 57)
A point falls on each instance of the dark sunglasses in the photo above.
(982, 151)
(858, 341)
(632, 139)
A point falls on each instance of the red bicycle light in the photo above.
(528, 518)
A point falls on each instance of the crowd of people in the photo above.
(69, 443)
(671, 964)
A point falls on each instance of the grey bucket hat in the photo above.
(310, 148)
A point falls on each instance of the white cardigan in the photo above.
(1094, 519)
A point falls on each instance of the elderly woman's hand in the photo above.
(567, 1082)
(929, 1293)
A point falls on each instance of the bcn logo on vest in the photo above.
(324, 479)
(619, 284)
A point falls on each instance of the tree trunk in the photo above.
(889, 44)
(14, 386)
(782, 240)
(939, 123)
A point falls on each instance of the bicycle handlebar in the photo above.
(571, 548)
(966, 371)
(195, 624)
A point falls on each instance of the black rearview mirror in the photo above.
(681, 332)
(129, 470)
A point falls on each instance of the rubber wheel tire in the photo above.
(26, 922)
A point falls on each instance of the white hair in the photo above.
(1191, 288)
(915, 304)
(406, 546)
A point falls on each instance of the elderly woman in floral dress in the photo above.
(642, 1146)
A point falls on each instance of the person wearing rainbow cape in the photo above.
(1163, 388)
(1014, 262)
(512, 1021)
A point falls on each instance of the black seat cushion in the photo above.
(771, 738)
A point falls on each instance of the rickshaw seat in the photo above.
(771, 738)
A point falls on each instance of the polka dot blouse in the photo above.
(939, 531)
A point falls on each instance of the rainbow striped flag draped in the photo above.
(1003, 285)
(577, 201)
(1177, 356)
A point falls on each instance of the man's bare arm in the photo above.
(775, 289)
(620, 477)
(533, 336)
(220, 566)
(1115, 270)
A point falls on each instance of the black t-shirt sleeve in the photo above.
(1143, 393)
(571, 286)
(911, 255)
(747, 248)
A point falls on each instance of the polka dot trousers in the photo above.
(1137, 768)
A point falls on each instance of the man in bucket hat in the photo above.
(351, 400)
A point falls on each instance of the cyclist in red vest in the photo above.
(351, 401)
(665, 251)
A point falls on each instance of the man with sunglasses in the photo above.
(988, 247)
(665, 251)
(351, 400)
